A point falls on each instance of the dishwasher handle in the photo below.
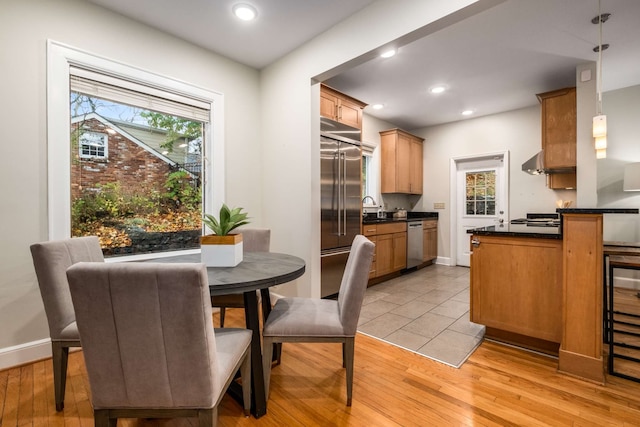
(415, 224)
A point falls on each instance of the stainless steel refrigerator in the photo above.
(340, 181)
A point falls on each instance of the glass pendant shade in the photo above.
(600, 126)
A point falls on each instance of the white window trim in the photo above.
(59, 58)
(105, 144)
(368, 150)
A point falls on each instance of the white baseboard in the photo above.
(25, 353)
(441, 260)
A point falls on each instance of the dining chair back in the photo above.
(51, 260)
(253, 240)
(296, 319)
(149, 344)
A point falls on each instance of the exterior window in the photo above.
(366, 176)
(148, 197)
(481, 193)
(93, 144)
(137, 200)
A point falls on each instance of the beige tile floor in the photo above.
(425, 311)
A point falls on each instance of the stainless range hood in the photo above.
(536, 166)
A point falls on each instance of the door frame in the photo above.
(453, 195)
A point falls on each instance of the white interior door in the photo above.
(481, 199)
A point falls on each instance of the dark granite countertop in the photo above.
(598, 211)
(519, 230)
(524, 230)
(411, 216)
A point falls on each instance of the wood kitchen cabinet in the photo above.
(559, 121)
(390, 253)
(516, 290)
(340, 107)
(429, 240)
(401, 160)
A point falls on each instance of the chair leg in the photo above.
(266, 363)
(101, 418)
(278, 353)
(349, 350)
(245, 372)
(60, 357)
(344, 358)
(207, 417)
(222, 313)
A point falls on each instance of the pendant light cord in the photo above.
(599, 76)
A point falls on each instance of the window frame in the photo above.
(60, 58)
(105, 146)
(485, 215)
(368, 152)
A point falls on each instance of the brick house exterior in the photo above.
(128, 160)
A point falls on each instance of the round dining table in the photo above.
(257, 271)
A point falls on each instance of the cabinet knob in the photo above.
(475, 242)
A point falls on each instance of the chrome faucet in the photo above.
(373, 202)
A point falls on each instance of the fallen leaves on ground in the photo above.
(114, 235)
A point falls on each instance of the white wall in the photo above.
(25, 27)
(517, 132)
(622, 108)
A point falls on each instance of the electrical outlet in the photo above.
(438, 205)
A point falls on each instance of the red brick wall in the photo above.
(135, 168)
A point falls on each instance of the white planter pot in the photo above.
(221, 251)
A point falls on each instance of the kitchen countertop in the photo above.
(523, 230)
(519, 230)
(411, 216)
(598, 211)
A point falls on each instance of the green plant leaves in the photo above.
(228, 220)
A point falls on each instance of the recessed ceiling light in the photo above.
(467, 112)
(437, 89)
(377, 106)
(388, 54)
(244, 11)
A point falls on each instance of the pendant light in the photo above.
(600, 120)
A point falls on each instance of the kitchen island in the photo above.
(541, 287)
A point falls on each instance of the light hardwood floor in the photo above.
(497, 386)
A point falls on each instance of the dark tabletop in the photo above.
(257, 270)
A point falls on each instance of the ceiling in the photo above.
(493, 62)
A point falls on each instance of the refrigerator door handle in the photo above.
(344, 194)
(339, 201)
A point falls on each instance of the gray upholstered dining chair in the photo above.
(323, 320)
(253, 240)
(149, 344)
(51, 260)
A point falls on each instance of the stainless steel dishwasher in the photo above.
(414, 243)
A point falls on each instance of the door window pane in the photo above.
(480, 189)
(136, 177)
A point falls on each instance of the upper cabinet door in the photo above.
(340, 107)
(328, 105)
(559, 127)
(401, 162)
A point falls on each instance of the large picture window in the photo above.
(134, 157)
(148, 196)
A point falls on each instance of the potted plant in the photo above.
(223, 249)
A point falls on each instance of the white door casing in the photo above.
(463, 219)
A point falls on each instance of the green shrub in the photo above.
(181, 193)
